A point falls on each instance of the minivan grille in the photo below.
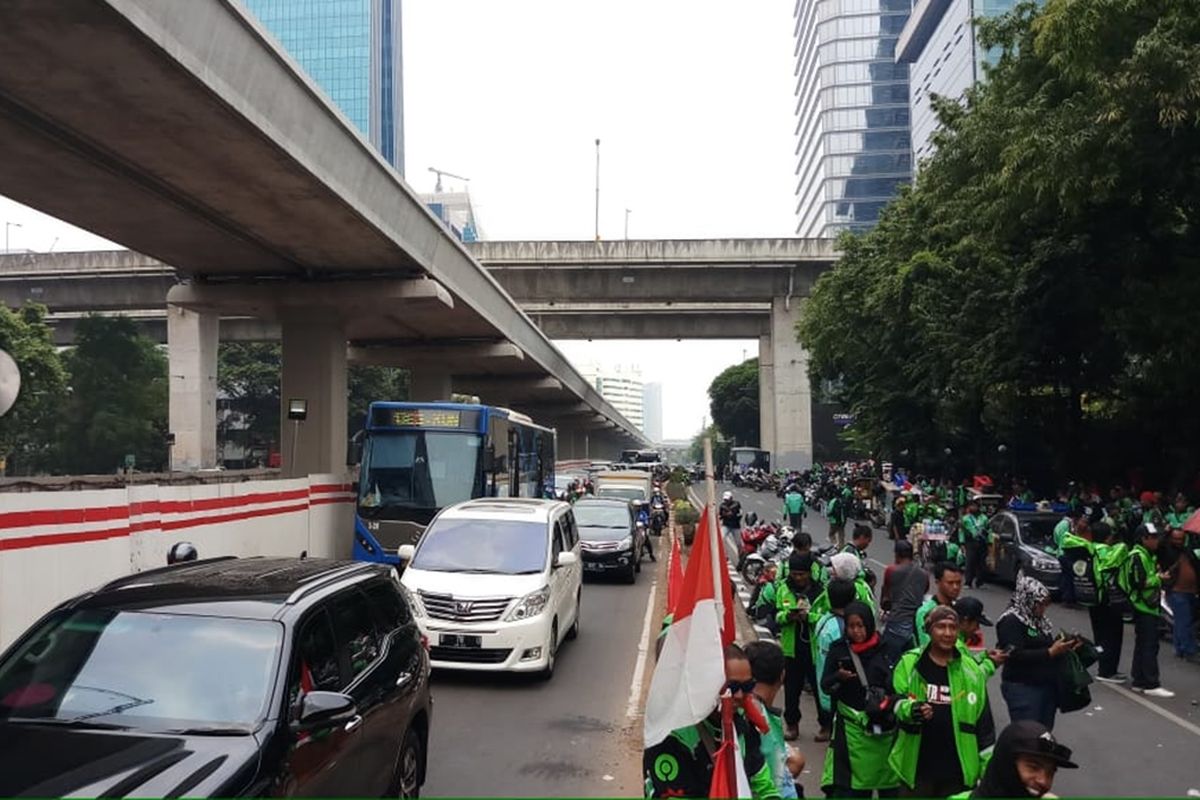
(464, 609)
(478, 655)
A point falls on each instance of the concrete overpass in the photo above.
(689, 289)
(181, 130)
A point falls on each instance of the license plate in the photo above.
(591, 566)
(460, 640)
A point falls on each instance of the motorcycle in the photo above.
(775, 548)
(752, 537)
(658, 517)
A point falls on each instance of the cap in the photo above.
(1032, 739)
(1147, 498)
(971, 608)
(938, 614)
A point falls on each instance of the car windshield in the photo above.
(142, 670)
(623, 492)
(501, 547)
(601, 520)
(418, 469)
(1038, 532)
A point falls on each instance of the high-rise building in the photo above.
(352, 49)
(457, 212)
(652, 411)
(852, 113)
(621, 386)
(945, 58)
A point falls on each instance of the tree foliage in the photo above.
(27, 431)
(118, 399)
(368, 384)
(248, 376)
(720, 447)
(1035, 287)
(733, 400)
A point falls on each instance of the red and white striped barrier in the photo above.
(57, 544)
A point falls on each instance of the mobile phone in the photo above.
(1008, 651)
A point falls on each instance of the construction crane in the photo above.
(440, 173)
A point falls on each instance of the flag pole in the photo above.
(714, 535)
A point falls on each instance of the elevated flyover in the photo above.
(183, 131)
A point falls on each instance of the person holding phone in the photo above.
(1029, 682)
(857, 678)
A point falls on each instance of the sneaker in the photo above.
(1116, 677)
(1158, 691)
(791, 732)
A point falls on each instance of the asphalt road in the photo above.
(1126, 745)
(513, 736)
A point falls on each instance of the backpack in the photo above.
(1082, 575)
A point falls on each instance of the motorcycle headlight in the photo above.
(530, 605)
(625, 543)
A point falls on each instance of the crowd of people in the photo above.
(902, 680)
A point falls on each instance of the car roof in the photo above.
(602, 501)
(1034, 515)
(240, 587)
(524, 509)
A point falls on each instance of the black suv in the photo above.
(258, 676)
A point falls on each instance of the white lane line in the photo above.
(1157, 709)
(639, 668)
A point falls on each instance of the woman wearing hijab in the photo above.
(1029, 682)
(1023, 763)
(856, 763)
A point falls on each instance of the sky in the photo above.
(691, 99)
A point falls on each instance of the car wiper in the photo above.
(69, 723)
(117, 709)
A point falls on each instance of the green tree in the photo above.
(733, 400)
(118, 402)
(1034, 287)
(720, 447)
(27, 431)
(248, 375)
(368, 384)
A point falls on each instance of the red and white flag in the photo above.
(729, 772)
(690, 672)
(674, 575)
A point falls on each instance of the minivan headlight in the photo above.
(530, 605)
(414, 601)
(626, 543)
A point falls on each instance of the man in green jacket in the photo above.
(1142, 581)
(681, 765)
(794, 596)
(793, 506)
(972, 535)
(942, 710)
(948, 583)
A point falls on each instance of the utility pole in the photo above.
(8, 225)
(597, 190)
(627, 224)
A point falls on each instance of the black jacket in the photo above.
(1030, 662)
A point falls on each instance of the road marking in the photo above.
(639, 668)
(1157, 709)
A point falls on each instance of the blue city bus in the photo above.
(418, 458)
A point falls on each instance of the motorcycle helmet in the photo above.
(182, 551)
(751, 518)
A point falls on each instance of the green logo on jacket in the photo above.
(666, 767)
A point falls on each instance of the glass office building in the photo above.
(852, 113)
(940, 46)
(352, 49)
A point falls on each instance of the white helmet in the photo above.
(727, 496)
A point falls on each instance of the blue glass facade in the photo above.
(852, 113)
(351, 49)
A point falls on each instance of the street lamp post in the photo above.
(7, 226)
(627, 212)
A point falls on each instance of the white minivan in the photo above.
(495, 584)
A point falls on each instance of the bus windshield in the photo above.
(745, 457)
(423, 469)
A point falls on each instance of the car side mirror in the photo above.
(406, 552)
(565, 559)
(320, 710)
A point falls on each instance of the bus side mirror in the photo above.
(354, 450)
(489, 459)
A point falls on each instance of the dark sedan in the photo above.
(1022, 543)
(221, 678)
(610, 539)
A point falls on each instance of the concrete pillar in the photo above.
(192, 369)
(766, 395)
(793, 397)
(314, 370)
(428, 385)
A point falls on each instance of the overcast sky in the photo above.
(691, 99)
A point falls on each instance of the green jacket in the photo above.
(1139, 578)
(828, 630)
(679, 766)
(973, 729)
(793, 503)
(1061, 530)
(791, 631)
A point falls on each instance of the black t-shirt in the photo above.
(938, 759)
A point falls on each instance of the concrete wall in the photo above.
(54, 545)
